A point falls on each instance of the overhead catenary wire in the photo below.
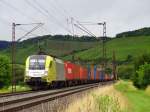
(17, 10)
(72, 20)
(25, 31)
(86, 29)
(47, 14)
(38, 7)
(65, 13)
(57, 9)
(33, 29)
(21, 12)
(76, 25)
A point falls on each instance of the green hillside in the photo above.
(124, 47)
(139, 32)
(53, 47)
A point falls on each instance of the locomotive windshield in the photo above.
(37, 62)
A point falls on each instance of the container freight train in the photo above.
(43, 71)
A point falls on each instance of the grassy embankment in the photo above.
(122, 97)
(103, 99)
(139, 99)
(123, 47)
(18, 88)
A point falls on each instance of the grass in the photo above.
(18, 89)
(148, 90)
(102, 99)
(123, 47)
(139, 99)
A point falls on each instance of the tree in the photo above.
(142, 77)
(125, 71)
(5, 77)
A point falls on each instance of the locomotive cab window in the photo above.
(37, 63)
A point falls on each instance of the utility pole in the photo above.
(114, 66)
(13, 58)
(103, 44)
(14, 49)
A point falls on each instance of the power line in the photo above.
(62, 9)
(84, 30)
(65, 13)
(22, 29)
(20, 12)
(33, 29)
(16, 9)
(51, 15)
(54, 8)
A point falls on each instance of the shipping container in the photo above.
(102, 76)
(95, 72)
(69, 67)
(89, 72)
(76, 72)
(83, 73)
(92, 72)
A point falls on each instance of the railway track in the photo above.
(15, 93)
(13, 103)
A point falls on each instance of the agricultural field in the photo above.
(124, 47)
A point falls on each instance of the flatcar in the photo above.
(44, 71)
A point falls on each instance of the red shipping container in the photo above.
(69, 67)
(83, 73)
(92, 72)
(76, 71)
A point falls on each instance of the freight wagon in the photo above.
(46, 71)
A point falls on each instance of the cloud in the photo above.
(120, 15)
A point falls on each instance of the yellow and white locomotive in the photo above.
(42, 70)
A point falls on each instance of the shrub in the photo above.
(142, 76)
(125, 71)
(142, 70)
(19, 73)
(5, 77)
(141, 60)
(108, 70)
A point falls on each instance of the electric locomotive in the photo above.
(43, 71)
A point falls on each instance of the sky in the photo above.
(119, 15)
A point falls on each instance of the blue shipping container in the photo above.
(95, 69)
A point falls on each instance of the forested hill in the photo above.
(4, 44)
(140, 32)
(57, 45)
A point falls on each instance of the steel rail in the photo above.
(26, 102)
